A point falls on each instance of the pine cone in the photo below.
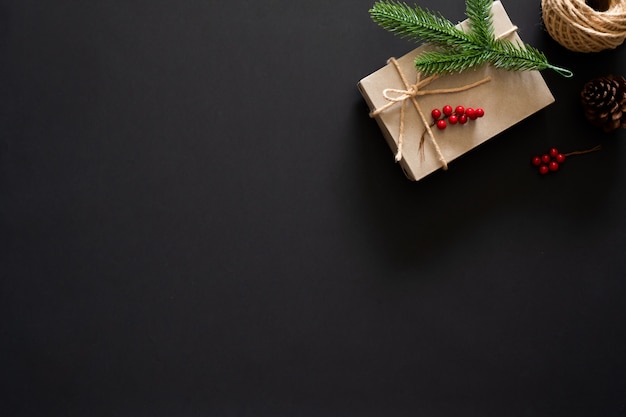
(604, 102)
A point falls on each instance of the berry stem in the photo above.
(595, 148)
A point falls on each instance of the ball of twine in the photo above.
(580, 27)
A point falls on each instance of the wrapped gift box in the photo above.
(507, 98)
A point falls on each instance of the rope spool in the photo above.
(585, 26)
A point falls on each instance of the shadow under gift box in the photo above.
(508, 98)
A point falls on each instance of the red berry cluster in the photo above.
(548, 162)
(458, 115)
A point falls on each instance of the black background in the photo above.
(198, 218)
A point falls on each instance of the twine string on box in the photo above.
(412, 91)
(580, 27)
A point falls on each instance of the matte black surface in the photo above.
(198, 218)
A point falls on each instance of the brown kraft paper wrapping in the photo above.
(508, 98)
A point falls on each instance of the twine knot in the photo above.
(400, 95)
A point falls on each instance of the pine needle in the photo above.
(457, 50)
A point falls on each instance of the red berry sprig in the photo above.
(551, 161)
(452, 116)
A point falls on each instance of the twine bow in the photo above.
(411, 92)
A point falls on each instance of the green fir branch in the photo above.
(457, 50)
(508, 55)
(479, 14)
(418, 24)
(444, 62)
